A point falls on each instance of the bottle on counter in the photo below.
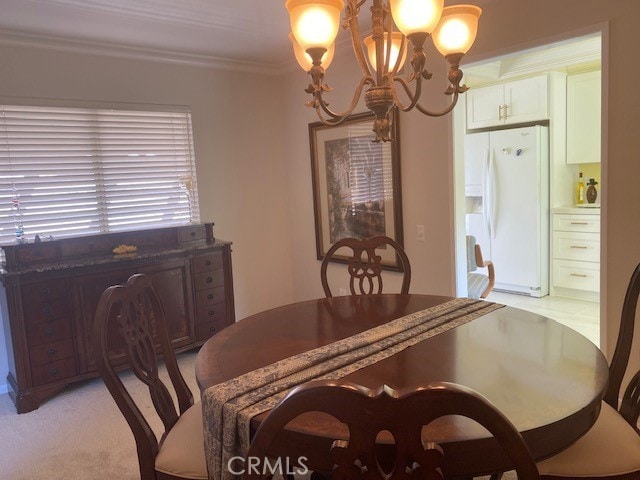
(580, 190)
(592, 193)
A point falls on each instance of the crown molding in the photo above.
(65, 44)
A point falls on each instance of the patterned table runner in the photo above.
(227, 408)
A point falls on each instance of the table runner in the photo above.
(227, 408)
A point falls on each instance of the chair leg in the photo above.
(496, 476)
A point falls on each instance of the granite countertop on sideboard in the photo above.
(139, 257)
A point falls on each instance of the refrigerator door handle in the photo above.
(485, 193)
(491, 195)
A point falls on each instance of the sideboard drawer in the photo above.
(208, 280)
(210, 296)
(38, 312)
(48, 332)
(207, 263)
(208, 313)
(205, 330)
(54, 371)
(50, 352)
(195, 233)
(43, 292)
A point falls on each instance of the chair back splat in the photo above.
(365, 265)
(129, 325)
(371, 415)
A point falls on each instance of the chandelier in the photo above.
(315, 23)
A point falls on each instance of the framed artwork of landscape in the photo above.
(356, 184)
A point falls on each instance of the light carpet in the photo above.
(79, 434)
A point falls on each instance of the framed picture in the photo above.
(356, 184)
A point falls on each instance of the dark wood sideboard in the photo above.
(51, 290)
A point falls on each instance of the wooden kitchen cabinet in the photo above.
(508, 103)
(51, 291)
(583, 117)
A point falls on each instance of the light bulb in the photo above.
(314, 23)
(412, 16)
(457, 29)
(396, 42)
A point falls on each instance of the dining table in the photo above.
(545, 377)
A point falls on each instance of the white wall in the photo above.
(426, 169)
(241, 170)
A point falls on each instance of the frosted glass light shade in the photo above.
(412, 16)
(396, 42)
(304, 59)
(457, 29)
(314, 23)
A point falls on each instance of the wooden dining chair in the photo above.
(364, 264)
(130, 329)
(368, 414)
(611, 448)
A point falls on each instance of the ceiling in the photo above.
(239, 34)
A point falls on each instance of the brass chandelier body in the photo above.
(381, 74)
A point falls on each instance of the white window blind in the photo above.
(76, 171)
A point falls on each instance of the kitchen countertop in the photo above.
(574, 210)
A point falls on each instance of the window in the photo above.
(77, 171)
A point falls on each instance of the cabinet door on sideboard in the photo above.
(171, 280)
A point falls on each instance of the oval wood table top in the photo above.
(545, 377)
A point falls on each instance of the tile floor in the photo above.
(581, 315)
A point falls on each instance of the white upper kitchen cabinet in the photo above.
(508, 103)
(583, 117)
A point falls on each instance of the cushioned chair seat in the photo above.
(611, 447)
(182, 452)
(476, 284)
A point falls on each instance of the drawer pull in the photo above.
(581, 275)
(47, 310)
(209, 279)
(45, 291)
(210, 296)
(193, 234)
(579, 223)
(579, 246)
(54, 372)
(51, 352)
(212, 313)
(207, 263)
(212, 330)
(49, 332)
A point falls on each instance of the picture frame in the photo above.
(356, 185)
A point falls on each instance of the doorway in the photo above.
(573, 294)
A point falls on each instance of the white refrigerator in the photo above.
(507, 205)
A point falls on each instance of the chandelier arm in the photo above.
(354, 28)
(339, 117)
(413, 97)
(389, 42)
(421, 109)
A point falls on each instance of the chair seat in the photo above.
(477, 284)
(611, 447)
(182, 452)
